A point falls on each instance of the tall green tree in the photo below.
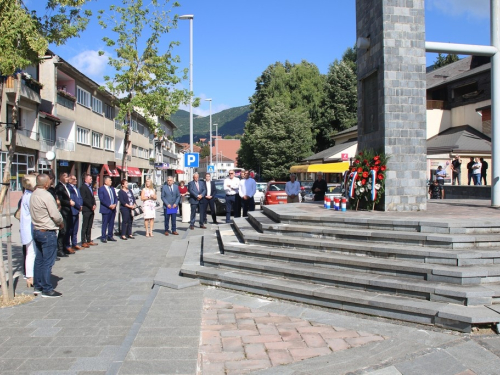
(24, 39)
(442, 60)
(283, 138)
(296, 87)
(339, 107)
(144, 77)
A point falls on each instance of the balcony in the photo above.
(47, 145)
(64, 144)
(30, 89)
(29, 134)
(436, 104)
(66, 99)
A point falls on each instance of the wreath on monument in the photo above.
(366, 179)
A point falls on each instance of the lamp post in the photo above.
(216, 149)
(190, 17)
(210, 137)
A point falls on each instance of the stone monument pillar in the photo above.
(392, 96)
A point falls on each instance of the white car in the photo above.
(259, 194)
(132, 186)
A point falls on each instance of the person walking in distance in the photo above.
(108, 199)
(197, 192)
(46, 219)
(469, 170)
(88, 210)
(248, 187)
(456, 173)
(170, 197)
(208, 199)
(231, 187)
(292, 189)
(64, 197)
(75, 211)
(484, 170)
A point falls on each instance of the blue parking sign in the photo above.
(192, 160)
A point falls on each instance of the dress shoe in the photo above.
(175, 233)
(203, 227)
(123, 238)
(61, 254)
(112, 239)
(85, 245)
(166, 233)
(76, 247)
(216, 222)
(57, 258)
(69, 250)
(103, 240)
(91, 243)
(191, 227)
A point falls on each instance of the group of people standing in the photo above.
(477, 169)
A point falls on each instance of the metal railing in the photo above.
(64, 144)
(65, 102)
(47, 145)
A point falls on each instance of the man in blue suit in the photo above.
(108, 198)
(197, 191)
(171, 197)
(75, 210)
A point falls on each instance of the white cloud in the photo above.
(90, 63)
(469, 8)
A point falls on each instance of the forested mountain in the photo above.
(231, 122)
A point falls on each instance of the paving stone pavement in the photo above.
(113, 320)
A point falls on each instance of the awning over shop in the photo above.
(325, 168)
(133, 171)
(329, 167)
(299, 168)
(110, 172)
(179, 171)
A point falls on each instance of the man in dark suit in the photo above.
(208, 200)
(108, 198)
(75, 210)
(197, 191)
(88, 209)
(64, 197)
(170, 197)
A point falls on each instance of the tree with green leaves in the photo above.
(145, 77)
(24, 39)
(283, 138)
(441, 60)
(296, 87)
(205, 151)
(340, 103)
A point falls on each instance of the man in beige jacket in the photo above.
(46, 220)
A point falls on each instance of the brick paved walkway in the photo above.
(237, 339)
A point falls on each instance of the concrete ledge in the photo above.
(170, 278)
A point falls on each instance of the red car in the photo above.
(275, 193)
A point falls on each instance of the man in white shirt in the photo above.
(231, 187)
(247, 191)
(292, 189)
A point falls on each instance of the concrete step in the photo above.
(427, 254)
(316, 215)
(442, 314)
(365, 235)
(468, 295)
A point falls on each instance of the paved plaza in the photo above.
(113, 319)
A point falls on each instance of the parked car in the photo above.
(275, 193)
(334, 190)
(219, 198)
(132, 186)
(259, 193)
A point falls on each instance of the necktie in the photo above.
(197, 187)
(171, 190)
(110, 196)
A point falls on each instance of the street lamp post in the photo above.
(190, 17)
(216, 149)
(210, 137)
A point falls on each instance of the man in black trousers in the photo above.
(88, 209)
(209, 200)
(64, 196)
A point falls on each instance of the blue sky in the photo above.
(234, 41)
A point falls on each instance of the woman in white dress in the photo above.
(148, 196)
(29, 184)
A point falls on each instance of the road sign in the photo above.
(192, 160)
(210, 169)
(344, 157)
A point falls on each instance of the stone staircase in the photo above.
(432, 271)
